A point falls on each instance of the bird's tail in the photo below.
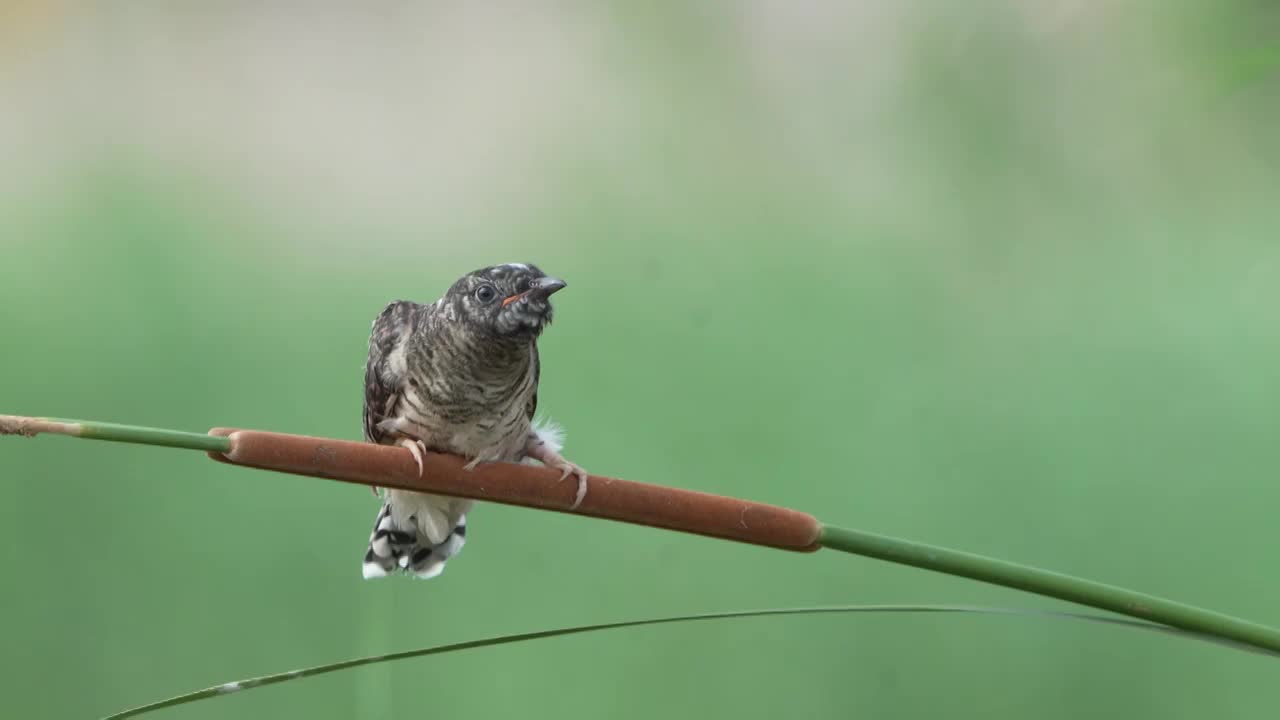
(402, 532)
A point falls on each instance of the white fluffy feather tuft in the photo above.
(549, 432)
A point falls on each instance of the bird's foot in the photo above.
(567, 468)
(543, 453)
(473, 464)
(417, 447)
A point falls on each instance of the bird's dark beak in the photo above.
(546, 287)
(541, 289)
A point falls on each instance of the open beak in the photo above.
(542, 289)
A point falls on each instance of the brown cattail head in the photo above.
(525, 485)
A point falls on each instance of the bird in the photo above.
(460, 376)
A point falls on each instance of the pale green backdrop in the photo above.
(1002, 277)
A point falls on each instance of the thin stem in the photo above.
(1051, 584)
(113, 432)
(257, 682)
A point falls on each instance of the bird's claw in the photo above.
(566, 469)
(417, 447)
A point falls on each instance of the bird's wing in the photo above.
(383, 379)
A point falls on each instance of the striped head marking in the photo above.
(511, 300)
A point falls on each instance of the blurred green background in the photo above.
(1001, 276)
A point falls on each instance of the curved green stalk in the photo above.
(252, 683)
(1043, 582)
(929, 557)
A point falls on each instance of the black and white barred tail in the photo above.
(417, 533)
(402, 546)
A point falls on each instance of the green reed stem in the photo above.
(904, 552)
(113, 432)
(1052, 584)
(277, 678)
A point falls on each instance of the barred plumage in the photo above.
(461, 376)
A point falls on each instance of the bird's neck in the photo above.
(495, 359)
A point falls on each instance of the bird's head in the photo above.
(511, 300)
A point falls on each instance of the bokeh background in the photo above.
(1002, 276)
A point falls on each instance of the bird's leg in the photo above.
(539, 450)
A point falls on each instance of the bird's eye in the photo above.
(486, 294)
